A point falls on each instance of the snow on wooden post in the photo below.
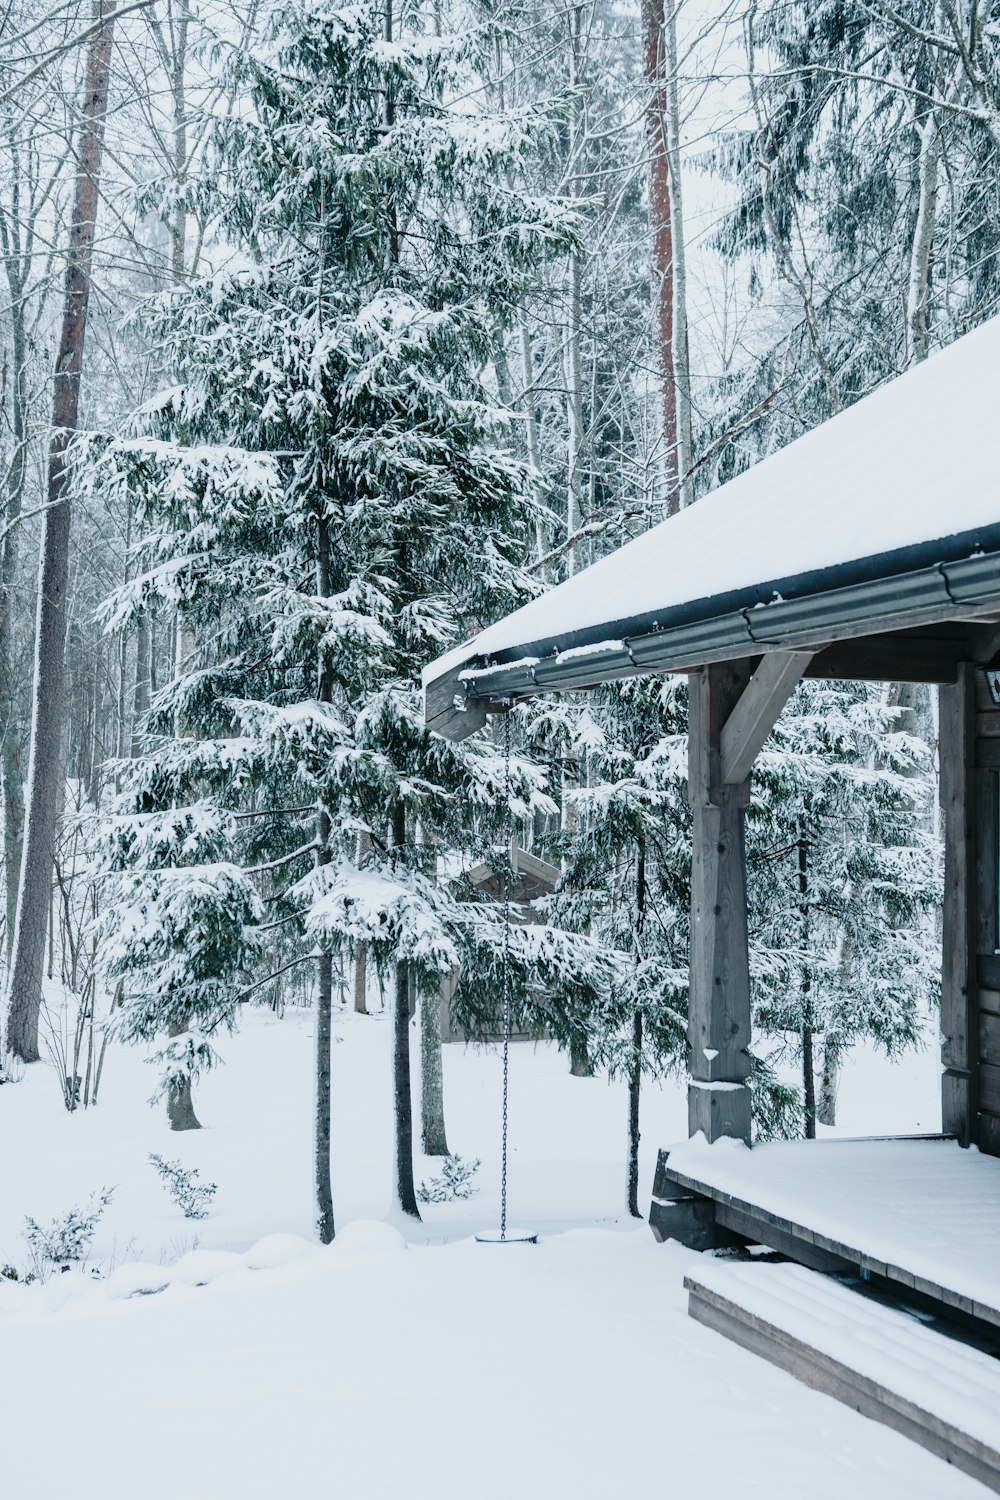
(719, 994)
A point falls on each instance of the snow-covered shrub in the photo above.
(69, 1237)
(11, 1273)
(454, 1181)
(192, 1197)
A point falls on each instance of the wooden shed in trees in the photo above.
(867, 549)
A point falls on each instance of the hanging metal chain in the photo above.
(508, 856)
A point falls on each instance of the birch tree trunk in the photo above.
(45, 760)
(10, 727)
(918, 293)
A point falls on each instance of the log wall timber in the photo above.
(719, 994)
(957, 978)
(970, 1012)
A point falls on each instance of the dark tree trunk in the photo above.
(45, 763)
(402, 1093)
(809, 1082)
(180, 1105)
(325, 1227)
(634, 1086)
(635, 1070)
(580, 1065)
(361, 949)
(808, 1060)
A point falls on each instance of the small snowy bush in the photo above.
(11, 1273)
(69, 1237)
(454, 1182)
(192, 1197)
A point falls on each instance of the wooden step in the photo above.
(936, 1390)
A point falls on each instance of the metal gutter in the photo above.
(864, 605)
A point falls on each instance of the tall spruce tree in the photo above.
(328, 498)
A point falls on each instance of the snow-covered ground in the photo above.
(442, 1369)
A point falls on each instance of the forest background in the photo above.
(332, 332)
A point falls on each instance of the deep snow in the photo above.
(369, 1369)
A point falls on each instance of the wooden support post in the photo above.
(958, 958)
(719, 993)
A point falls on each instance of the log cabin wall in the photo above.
(970, 988)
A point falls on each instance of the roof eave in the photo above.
(457, 703)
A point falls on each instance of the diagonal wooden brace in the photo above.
(756, 711)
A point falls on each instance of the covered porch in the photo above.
(867, 550)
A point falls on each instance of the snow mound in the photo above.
(277, 1250)
(200, 1267)
(364, 1237)
(137, 1280)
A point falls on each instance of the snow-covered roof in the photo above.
(909, 475)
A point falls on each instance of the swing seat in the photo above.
(511, 1237)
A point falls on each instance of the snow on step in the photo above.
(890, 1366)
(922, 1210)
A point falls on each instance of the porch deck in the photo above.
(916, 1212)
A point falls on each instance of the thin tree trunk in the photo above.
(826, 1110)
(44, 768)
(361, 948)
(808, 1064)
(325, 1226)
(809, 1082)
(918, 295)
(663, 234)
(432, 1131)
(635, 1068)
(574, 332)
(634, 1088)
(680, 348)
(10, 728)
(402, 1094)
(140, 695)
(361, 978)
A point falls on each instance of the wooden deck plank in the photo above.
(759, 1225)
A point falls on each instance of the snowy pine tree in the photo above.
(328, 498)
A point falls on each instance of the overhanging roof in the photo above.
(885, 517)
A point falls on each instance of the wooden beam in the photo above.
(756, 712)
(448, 711)
(892, 658)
